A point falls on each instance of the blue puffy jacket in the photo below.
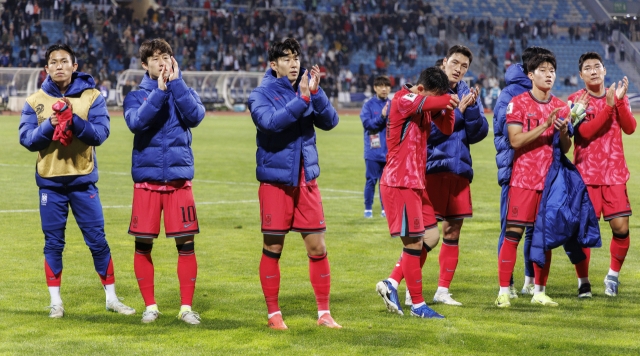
(93, 131)
(161, 122)
(285, 129)
(372, 121)
(451, 153)
(566, 215)
(517, 83)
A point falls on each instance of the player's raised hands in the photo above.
(174, 72)
(314, 82)
(611, 98)
(469, 99)
(552, 117)
(162, 79)
(622, 88)
(385, 109)
(304, 85)
(454, 102)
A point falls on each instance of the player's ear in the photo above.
(420, 88)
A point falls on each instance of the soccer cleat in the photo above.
(611, 285)
(56, 311)
(445, 298)
(407, 299)
(528, 289)
(513, 292)
(149, 316)
(543, 299)
(389, 296)
(368, 214)
(118, 307)
(424, 311)
(276, 323)
(189, 317)
(503, 301)
(327, 320)
(584, 291)
(383, 214)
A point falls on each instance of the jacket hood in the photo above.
(79, 82)
(515, 75)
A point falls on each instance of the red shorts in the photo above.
(450, 195)
(285, 208)
(611, 201)
(409, 211)
(523, 206)
(177, 205)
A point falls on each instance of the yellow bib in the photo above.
(58, 160)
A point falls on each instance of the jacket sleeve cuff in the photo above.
(314, 92)
(78, 125)
(47, 128)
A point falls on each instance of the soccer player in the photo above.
(285, 108)
(161, 114)
(64, 121)
(410, 214)
(518, 82)
(599, 157)
(532, 118)
(449, 169)
(374, 115)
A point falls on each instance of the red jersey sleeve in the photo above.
(410, 103)
(514, 114)
(588, 128)
(446, 122)
(625, 117)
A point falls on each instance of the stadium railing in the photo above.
(16, 84)
(230, 89)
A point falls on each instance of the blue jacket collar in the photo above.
(79, 82)
(515, 75)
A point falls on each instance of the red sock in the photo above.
(448, 262)
(109, 278)
(270, 279)
(618, 249)
(397, 275)
(507, 261)
(413, 273)
(320, 276)
(541, 274)
(582, 268)
(143, 267)
(187, 272)
(53, 280)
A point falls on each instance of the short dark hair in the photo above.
(60, 47)
(277, 48)
(434, 79)
(439, 62)
(530, 52)
(534, 62)
(588, 55)
(149, 47)
(463, 50)
(382, 80)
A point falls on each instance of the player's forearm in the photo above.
(445, 123)
(565, 142)
(588, 129)
(625, 117)
(522, 139)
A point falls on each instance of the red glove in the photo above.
(64, 113)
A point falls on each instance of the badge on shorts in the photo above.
(134, 221)
(416, 223)
(375, 141)
(267, 220)
(43, 199)
(514, 211)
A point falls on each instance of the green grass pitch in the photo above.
(228, 294)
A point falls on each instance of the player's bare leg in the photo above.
(270, 278)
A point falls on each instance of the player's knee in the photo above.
(430, 241)
(143, 248)
(513, 236)
(54, 241)
(621, 234)
(186, 249)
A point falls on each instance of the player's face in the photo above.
(60, 67)
(593, 72)
(543, 77)
(156, 63)
(382, 91)
(456, 67)
(287, 66)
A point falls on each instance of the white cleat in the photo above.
(189, 317)
(56, 311)
(149, 316)
(118, 307)
(445, 298)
